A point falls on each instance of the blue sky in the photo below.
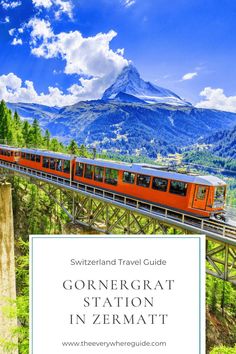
(58, 52)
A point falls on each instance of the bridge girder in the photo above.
(106, 218)
(101, 216)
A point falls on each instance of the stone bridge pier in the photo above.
(7, 266)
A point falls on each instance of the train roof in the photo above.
(46, 153)
(9, 148)
(155, 171)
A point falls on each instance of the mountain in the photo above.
(124, 121)
(130, 83)
(134, 128)
(30, 111)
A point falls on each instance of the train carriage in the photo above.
(200, 195)
(10, 154)
(47, 161)
(192, 194)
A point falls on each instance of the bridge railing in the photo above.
(212, 228)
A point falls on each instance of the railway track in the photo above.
(213, 228)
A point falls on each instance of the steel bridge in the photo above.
(108, 212)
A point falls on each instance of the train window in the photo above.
(143, 181)
(32, 158)
(88, 171)
(37, 158)
(45, 162)
(128, 177)
(66, 166)
(28, 157)
(79, 169)
(52, 164)
(23, 155)
(111, 176)
(177, 187)
(160, 184)
(98, 173)
(6, 153)
(58, 164)
(219, 196)
(201, 192)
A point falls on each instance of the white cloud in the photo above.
(63, 7)
(128, 3)
(42, 3)
(120, 51)
(12, 31)
(60, 6)
(10, 4)
(89, 57)
(41, 29)
(6, 20)
(189, 76)
(216, 99)
(12, 89)
(17, 41)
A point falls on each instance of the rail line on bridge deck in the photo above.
(214, 229)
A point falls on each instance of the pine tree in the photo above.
(6, 124)
(54, 145)
(47, 139)
(17, 125)
(83, 151)
(35, 135)
(26, 133)
(73, 148)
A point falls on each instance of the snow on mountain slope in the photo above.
(130, 83)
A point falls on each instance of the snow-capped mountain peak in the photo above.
(130, 83)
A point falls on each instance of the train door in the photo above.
(16, 155)
(200, 197)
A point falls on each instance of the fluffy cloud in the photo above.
(216, 99)
(10, 4)
(89, 57)
(128, 3)
(42, 3)
(60, 6)
(12, 31)
(17, 41)
(6, 20)
(41, 29)
(189, 76)
(12, 89)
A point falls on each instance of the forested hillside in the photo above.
(223, 143)
(208, 159)
(36, 213)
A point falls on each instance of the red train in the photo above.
(193, 194)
